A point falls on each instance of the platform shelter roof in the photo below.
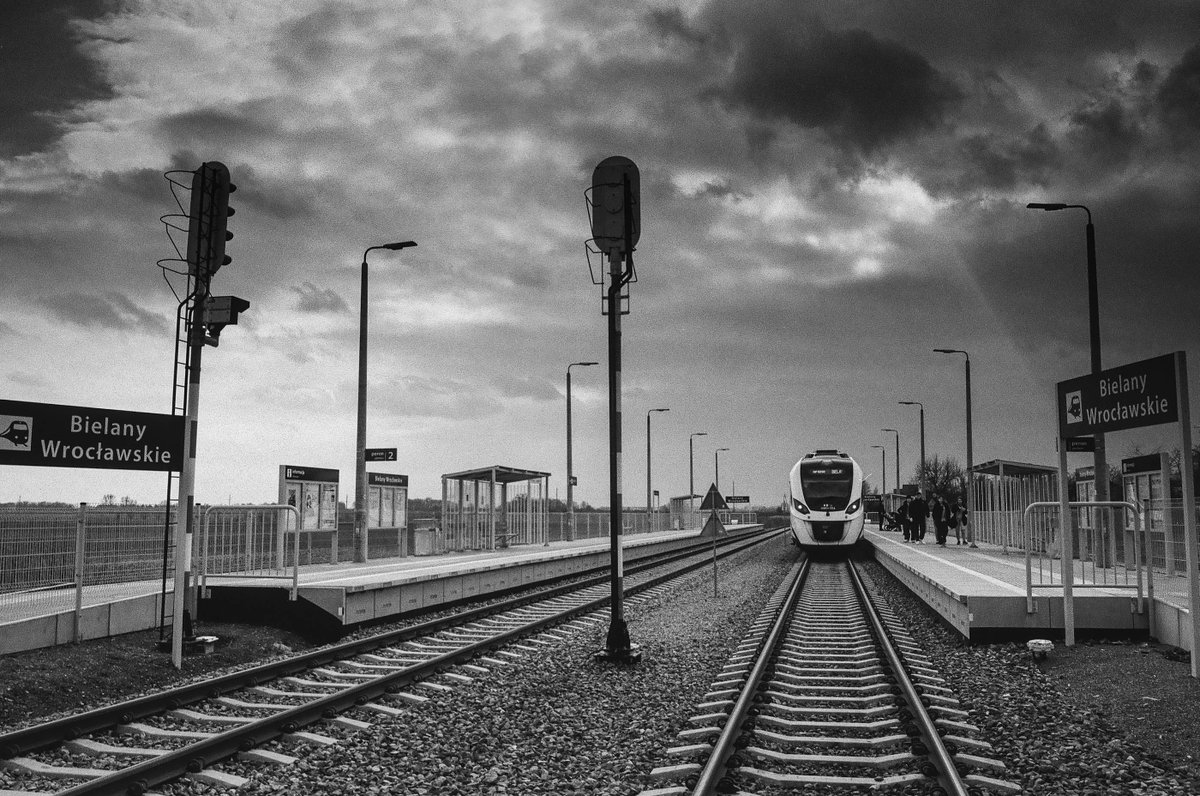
(1012, 469)
(498, 473)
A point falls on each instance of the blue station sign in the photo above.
(1130, 396)
(54, 435)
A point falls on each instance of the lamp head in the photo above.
(397, 246)
(1046, 206)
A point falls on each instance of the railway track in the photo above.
(829, 694)
(263, 714)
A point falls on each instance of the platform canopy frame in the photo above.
(489, 507)
(1001, 489)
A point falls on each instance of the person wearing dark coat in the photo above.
(904, 519)
(918, 509)
(939, 510)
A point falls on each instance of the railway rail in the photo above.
(134, 746)
(829, 694)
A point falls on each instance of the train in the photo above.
(826, 500)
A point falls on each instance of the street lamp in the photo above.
(570, 535)
(970, 462)
(649, 505)
(360, 474)
(1101, 466)
(921, 469)
(717, 467)
(897, 433)
(692, 473)
(883, 469)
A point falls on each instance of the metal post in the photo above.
(692, 474)
(617, 645)
(360, 468)
(80, 546)
(182, 598)
(970, 461)
(570, 534)
(897, 433)
(649, 506)
(360, 449)
(1187, 477)
(1068, 547)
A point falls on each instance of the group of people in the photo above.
(913, 514)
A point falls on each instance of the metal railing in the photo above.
(250, 541)
(1089, 554)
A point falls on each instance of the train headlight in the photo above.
(800, 507)
(853, 507)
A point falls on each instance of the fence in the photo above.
(53, 558)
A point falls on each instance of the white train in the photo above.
(826, 500)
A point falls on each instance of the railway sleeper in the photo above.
(992, 784)
(87, 746)
(871, 688)
(846, 726)
(209, 718)
(814, 711)
(795, 780)
(138, 728)
(868, 761)
(27, 765)
(871, 699)
(829, 740)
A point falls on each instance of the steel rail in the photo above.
(137, 779)
(38, 736)
(947, 772)
(725, 747)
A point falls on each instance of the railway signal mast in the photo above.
(614, 205)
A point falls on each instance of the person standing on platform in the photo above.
(902, 516)
(958, 520)
(919, 511)
(940, 511)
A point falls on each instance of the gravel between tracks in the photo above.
(1098, 719)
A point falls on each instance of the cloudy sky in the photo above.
(829, 191)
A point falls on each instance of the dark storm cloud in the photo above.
(110, 311)
(316, 299)
(995, 161)
(863, 91)
(44, 72)
(1179, 95)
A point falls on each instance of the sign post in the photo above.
(1146, 393)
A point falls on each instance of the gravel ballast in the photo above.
(1084, 721)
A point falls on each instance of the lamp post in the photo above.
(649, 504)
(692, 473)
(570, 535)
(360, 470)
(921, 468)
(970, 462)
(717, 467)
(1101, 465)
(883, 468)
(897, 433)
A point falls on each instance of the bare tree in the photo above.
(943, 477)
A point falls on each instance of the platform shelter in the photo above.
(1000, 491)
(494, 507)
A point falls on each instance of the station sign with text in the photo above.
(54, 435)
(1130, 396)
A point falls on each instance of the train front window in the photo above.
(826, 485)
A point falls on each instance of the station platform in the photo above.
(981, 593)
(343, 594)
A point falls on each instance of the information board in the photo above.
(388, 502)
(314, 492)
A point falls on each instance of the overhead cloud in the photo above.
(1179, 95)
(318, 299)
(864, 92)
(108, 311)
(532, 387)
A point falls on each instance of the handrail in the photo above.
(1068, 567)
(202, 574)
